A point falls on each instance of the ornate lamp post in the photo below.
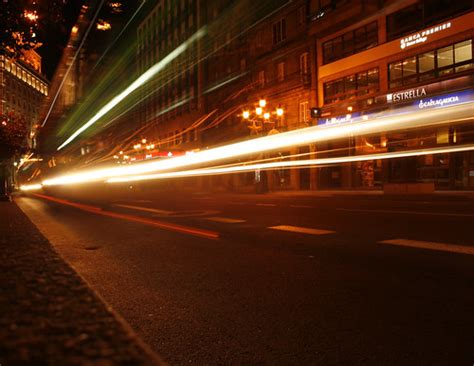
(261, 116)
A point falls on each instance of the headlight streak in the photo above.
(290, 164)
(274, 142)
(141, 80)
(30, 187)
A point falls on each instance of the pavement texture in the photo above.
(49, 315)
(334, 294)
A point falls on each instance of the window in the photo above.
(303, 112)
(279, 31)
(304, 69)
(259, 39)
(281, 71)
(301, 15)
(429, 65)
(423, 14)
(351, 86)
(350, 43)
(261, 78)
(243, 64)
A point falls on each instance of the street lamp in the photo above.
(261, 115)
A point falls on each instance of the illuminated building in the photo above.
(244, 56)
(172, 100)
(374, 57)
(23, 88)
(280, 55)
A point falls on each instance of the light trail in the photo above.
(278, 165)
(30, 187)
(278, 141)
(141, 80)
(208, 234)
(291, 163)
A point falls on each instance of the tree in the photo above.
(13, 131)
(18, 28)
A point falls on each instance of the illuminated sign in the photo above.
(405, 95)
(439, 101)
(422, 36)
(445, 100)
(338, 120)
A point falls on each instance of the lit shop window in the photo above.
(351, 86)
(430, 65)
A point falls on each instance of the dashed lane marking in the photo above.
(146, 209)
(266, 204)
(430, 245)
(225, 220)
(151, 222)
(406, 212)
(302, 230)
(302, 206)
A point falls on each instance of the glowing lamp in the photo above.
(262, 103)
(279, 112)
(259, 111)
(266, 115)
(246, 114)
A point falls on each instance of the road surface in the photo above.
(269, 279)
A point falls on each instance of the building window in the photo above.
(279, 31)
(281, 71)
(351, 86)
(350, 43)
(423, 14)
(243, 64)
(430, 65)
(304, 112)
(301, 15)
(261, 78)
(304, 68)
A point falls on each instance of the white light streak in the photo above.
(290, 164)
(278, 141)
(142, 79)
(31, 187)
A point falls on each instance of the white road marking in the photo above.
(430, 245)
(146, 209)
(406, 212)
(303, 230)
(266, 204)
(224, 220)
(302, 206)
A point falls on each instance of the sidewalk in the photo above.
(48, 314)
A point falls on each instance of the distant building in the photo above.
(23, 88)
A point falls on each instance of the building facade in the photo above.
(407, 54)
(23, 89)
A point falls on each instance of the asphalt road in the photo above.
(324, 287)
